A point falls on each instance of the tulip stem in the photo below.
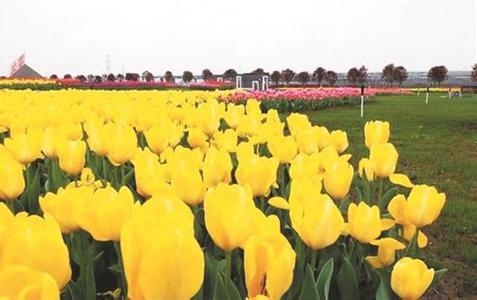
(122, 281)
(105, 169)
(228, 264)
(314, 255)
(380, 191)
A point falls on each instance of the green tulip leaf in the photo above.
(384, 291)
(386, 198)
(438, 275)
(308, 290)
(347, 281)
(324, 279)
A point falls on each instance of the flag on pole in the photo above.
(17, 64)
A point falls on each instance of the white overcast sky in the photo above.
(62, 36)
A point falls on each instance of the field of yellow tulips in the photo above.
(175, 195)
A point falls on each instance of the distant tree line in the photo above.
(390, 74)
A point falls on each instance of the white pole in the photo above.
(427, 97)
(450, 94)
(362, 106)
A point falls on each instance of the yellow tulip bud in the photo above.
(282, 147)
(316, 219)
(337, 179)
(25, 147)
(386, 252)
(424, 204)
(269, 261)
(307, 141)
(410, 278)
(233, 115)
(197, 139)
(217, 167)
(297, 122)
(97, 137)
(383, 158)
(258, 172)
(148, 173)
(121, 143)
(71, 156)
(28, 239)
(229, 215)
(187, 183)
(24, 283)
(339, 140)
(226, 140)
(305, 167)
(376, 132)
(323, 136)
(364, 222)
(157, 138)
(176, 257)
(12, 182)
(105, 212)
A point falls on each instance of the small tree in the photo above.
(187, 76)
(53, 77)
(111, 77)
(67, 76)
(276, 77)
(473, 75)
(400, 74)
(81, 78)
(168, 77)
(437, 74)
(362, 74)
(97, 79)
(230, 74)
(258, 71)
(149, 77)
(388, 74)
(353, 76)
(331, 77)
(287, 75)
(120, 77)
(303, 77)
(319, 75)
(207, 74)
(132, 76)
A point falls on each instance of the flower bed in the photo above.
(152, 195)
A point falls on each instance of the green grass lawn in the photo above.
(437, 145)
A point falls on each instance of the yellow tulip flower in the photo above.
(386, 252)
(105, 212)
(12, 183)
(383, 158)
(176, 257)
(149, 174)
(188, 184)
(96, 137)
(269, 261)
(197, 139)
(28, 239)
(157, 138)
(71, 156)
(282, 147)
(229, 215)
(410, 278)
(366, 170)
(25, 147)
(24, 283)
(297, 122)
(233, 115)
(424, 204)
(65, 205)
(217, 167)
(307, 141)
(339, 140)
(121, 143)
(316, 219)
(260, 173)
(364, 222)
(337, 179)
(323, 136)
(376, 132)
(226, 140)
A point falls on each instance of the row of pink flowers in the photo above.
(312, 93)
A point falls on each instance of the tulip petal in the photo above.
(401, 179)
(374, 262)
(387, 224)
(279, 202)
